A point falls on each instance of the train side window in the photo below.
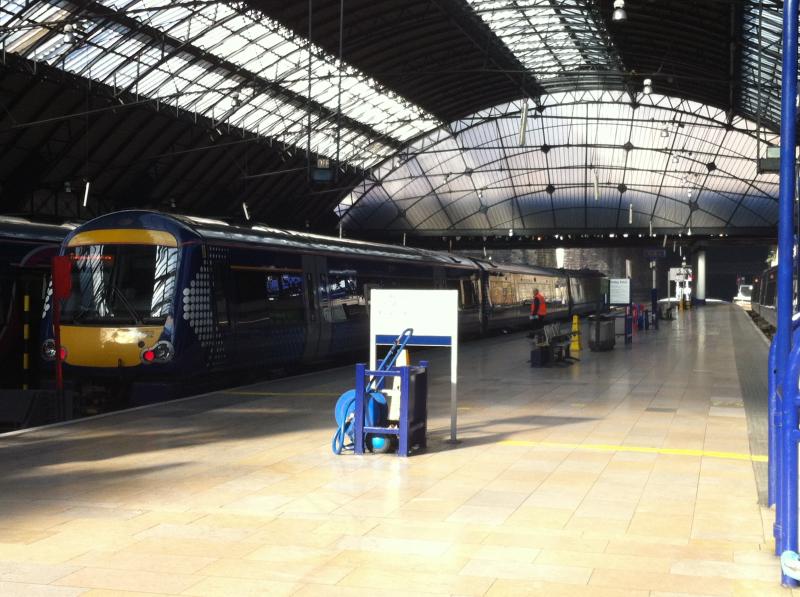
(285, 298)
(252, 299)
(220, 295)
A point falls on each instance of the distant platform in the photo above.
(634, 472)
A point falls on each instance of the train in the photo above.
(164, 305)
(26, 247)
(762, 296)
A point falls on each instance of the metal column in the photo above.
(786, 507)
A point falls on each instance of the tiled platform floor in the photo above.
(238, 493)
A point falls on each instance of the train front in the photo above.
(118, 323)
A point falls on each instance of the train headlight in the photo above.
(162, 352)
(49, 350)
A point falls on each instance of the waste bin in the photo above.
(601, 333)
(666, 310)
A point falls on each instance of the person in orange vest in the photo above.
(538, 312)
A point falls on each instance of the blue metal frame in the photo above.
(413, 424)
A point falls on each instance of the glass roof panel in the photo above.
(549, 38)
(597, 156)
(210, 58)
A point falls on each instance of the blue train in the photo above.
(163, 305)
(26, 248)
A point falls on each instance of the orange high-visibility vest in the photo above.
(542, 305)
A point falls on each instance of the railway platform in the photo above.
(635, 472)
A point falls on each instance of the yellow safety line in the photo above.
(311, 394)
(642, 449)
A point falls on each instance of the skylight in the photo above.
(238, 68)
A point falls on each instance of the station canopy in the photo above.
(418, 104)
(587, 160)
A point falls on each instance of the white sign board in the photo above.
(432, 314)
(619, 290)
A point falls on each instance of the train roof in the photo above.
(17, 228)
(187, 228)
(520, 268)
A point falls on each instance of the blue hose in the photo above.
(345, 417)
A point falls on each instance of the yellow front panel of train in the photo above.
(107, 346)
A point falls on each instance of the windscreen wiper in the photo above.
(126, 304)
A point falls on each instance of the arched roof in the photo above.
(242, 70)
(588, 161)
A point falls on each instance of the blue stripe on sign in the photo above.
(417, 340)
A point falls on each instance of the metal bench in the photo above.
(550, 344)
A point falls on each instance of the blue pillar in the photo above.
(773, 432)
(786, 507)
(787, 184)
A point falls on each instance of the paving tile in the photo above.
(233, 494)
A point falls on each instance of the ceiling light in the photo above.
(647, 86)
(630, 213)
(244, 209)
(689, 231)
(619, 11)
(511, 232)
(674, 159)
(86, 194)
(665, 132)
(664, 244)
(69, 33)
(523, 123)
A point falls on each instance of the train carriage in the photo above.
(161, 304)
(26, 248)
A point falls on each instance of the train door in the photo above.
(318, 326)
(439, 278)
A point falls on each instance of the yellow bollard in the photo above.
(575, 345)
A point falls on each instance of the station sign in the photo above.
(619, 291)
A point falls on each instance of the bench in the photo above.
(551, 344)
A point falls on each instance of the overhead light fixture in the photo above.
(647, 86)
(236, 100)
(511, 232)
(619, 13)
(675, 159)
(664, 244)
(689, 231)
(68, 187)
(86, 194)
(480, 193)
(69, 33)
(651, 227)
(244, 209)
(523, 123)
(630, 213)
(665, 132)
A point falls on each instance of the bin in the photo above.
(666, 310)
(601, 333)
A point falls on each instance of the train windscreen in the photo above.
(121, 284)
